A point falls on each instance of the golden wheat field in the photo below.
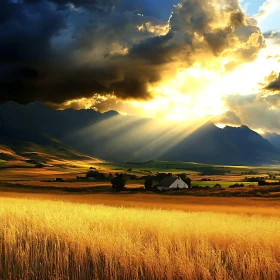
(61, 240)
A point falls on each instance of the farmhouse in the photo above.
(171, 183)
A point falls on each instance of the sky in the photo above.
(179, 60)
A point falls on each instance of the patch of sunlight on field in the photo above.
(56, 240)
(191, 168)
(31, 173)
(272, 181)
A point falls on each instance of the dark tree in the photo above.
(262, 183)
(186, 179)
(96, 175)
(160, 176)
(149, 183)
(217, 186)
(118, 182)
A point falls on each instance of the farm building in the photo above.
(171, 183)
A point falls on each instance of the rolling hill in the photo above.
(35, 130)
(26, 145)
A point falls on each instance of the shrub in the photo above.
(236, 186)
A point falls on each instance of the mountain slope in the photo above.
(230, 145)
(111, 136)
(23, 144)
(273, 138)
(37, 117)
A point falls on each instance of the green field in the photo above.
(211, 184)
(200, 174)
(190, 168)
(224, 184)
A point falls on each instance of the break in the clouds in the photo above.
(266, 9)
(57, 51)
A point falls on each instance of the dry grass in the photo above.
(68, 184)
(58, 240)
(21, 173)
(232, 205)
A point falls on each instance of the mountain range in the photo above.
(34, 128)
(273, 138)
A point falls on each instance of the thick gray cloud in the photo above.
(273, 35)
(56, 50)
(229, 118)
(258, 111)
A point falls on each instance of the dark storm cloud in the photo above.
(100, 5)
(25, 36)
(274, 85)
(37, 35)
(26, 32)
(237, 18)
(157, 50)
(155, 8)
(218, 40)
(57, 50)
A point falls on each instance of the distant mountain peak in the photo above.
(273, 138)
(11, 104)
(228, 127)
(36, 104)
(209, 126)
(243, 126)
(111, 113)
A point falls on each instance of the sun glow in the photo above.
(196, 93)
(193, 93)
